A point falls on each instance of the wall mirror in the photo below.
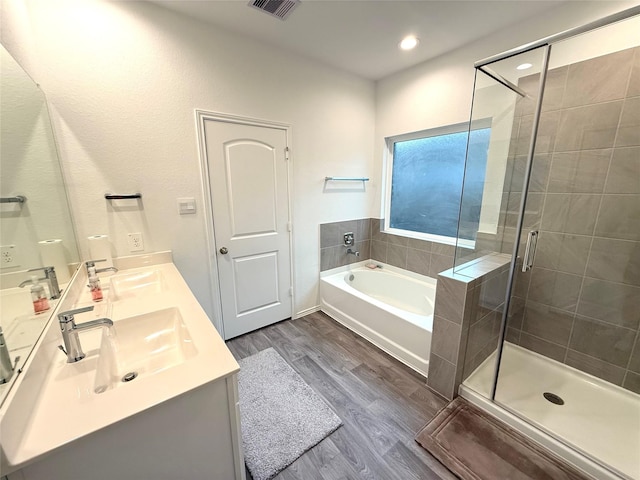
(36, 227)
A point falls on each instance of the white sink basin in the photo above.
(140, 346)
(136, 285)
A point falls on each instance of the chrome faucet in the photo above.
(50, 277)
(70, 329)
(6, 367)
(92, 263)
(353, 252)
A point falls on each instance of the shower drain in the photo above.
(129, 376)
(553, 398)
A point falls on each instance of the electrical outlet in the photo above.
(9, 256)
(134, 240)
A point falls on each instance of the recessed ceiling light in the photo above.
(524, 66)
(408, 43)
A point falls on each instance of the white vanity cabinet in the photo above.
(178, 419)
(188, 437)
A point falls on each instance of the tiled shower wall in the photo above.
(580, 304)
(419, 256)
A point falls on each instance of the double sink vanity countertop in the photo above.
(160, 331)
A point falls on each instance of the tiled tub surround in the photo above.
(466, 323)
(333, 253)
(580, 304)
(418, 256)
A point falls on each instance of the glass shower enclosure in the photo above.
(560, 203)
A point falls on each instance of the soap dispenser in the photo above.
(94, 285)
(38, 296)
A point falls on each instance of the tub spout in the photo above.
(353, 252)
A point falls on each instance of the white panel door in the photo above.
(250, 201)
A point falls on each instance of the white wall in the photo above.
(439, 92)
(124, 78)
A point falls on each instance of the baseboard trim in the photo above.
(307, 311)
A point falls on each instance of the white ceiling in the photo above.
(362, 36)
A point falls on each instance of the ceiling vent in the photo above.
(277, 8)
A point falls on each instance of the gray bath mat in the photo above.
(281, 416)
(476, 446)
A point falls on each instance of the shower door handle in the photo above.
(530, 250)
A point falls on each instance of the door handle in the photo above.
(530, 250)
(224, 250)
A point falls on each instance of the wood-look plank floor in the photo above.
(382, 403)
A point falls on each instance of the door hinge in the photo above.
(289, 227)
(286, 153)
(291, 291)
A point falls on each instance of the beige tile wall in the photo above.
(581, 302)
(419, 256)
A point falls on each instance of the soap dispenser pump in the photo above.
(94, 285)
(38, 296)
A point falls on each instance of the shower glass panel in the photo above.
(571, 360)
(503, 104)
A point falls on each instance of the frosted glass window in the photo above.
(426, 182)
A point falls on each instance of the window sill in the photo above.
(470, 244)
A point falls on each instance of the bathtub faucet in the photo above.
(352, 252)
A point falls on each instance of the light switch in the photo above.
(186, 205)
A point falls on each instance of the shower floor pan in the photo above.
(596, 418)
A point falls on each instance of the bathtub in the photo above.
(390, 307)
